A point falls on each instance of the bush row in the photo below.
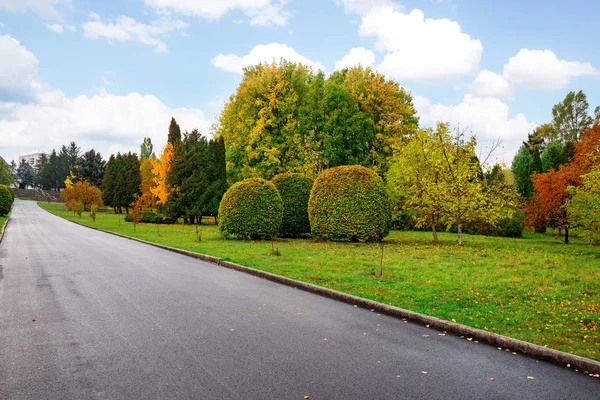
(344, 204)
(150, 217)
(7, 198)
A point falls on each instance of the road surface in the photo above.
(87, 315)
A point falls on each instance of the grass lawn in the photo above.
(535, 289)
(3, 219)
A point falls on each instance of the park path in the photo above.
(87, 315)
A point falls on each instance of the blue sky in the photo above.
(108, 73)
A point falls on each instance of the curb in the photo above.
(588, 366)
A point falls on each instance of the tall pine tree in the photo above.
(174, 133)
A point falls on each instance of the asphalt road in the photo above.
(87, 315)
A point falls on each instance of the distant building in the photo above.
(31, 159)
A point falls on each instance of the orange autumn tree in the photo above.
(547, 205)
(148, 182)
(161, 168)
(81, 194)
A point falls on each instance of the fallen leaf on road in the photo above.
(397, 376)
(424, 372)
(492, 378)
(378, 362)
(514, 354)
(530, 378)
(32, 319)
(469, 339)
(442, 334)
(307, 397)
(426, 336)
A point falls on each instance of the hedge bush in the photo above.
(150, 217)
(6, 200)
(295, 192)
(349, 203)
(12, 193)
(251, 209)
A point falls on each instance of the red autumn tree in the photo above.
(550, 195)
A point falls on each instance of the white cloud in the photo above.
(92, 121)
(542, 70)
(18, 77)
(490, 84)
(364, 6)
(488, 118)
(426, 50)
(49, 119)
(261, 54)
(59, 28)
(260, 12)
(128, 29)
(356, 56)
(48, 9)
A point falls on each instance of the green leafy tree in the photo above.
(570, 117)
(522, 168)
(217, 169)
(413, 181)
(552, 156)
(90, 167)
(536, 165)
(146, 149)
(286, 118)
(6, 176)
(108, 183)
(67, 158)
(189, 177)
(465, 196)
(121, 182)
(583, 208)
(25, 175)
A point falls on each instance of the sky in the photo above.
(106, 74)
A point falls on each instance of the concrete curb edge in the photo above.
(586, 365)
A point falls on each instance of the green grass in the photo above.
(535, 289)
(3, 219)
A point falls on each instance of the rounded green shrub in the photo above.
(251, 209)
(6, 200)
(12, 193)
(349, 203)
(295, 192)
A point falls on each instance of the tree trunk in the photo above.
(460, 242)
(216, 220)
(434, 232)
(566, 235)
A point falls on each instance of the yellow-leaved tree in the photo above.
(437, 178)
(160, 169)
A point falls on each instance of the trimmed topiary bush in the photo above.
(349, 203)
(251, 209)
(295, 192)
(6, 200)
